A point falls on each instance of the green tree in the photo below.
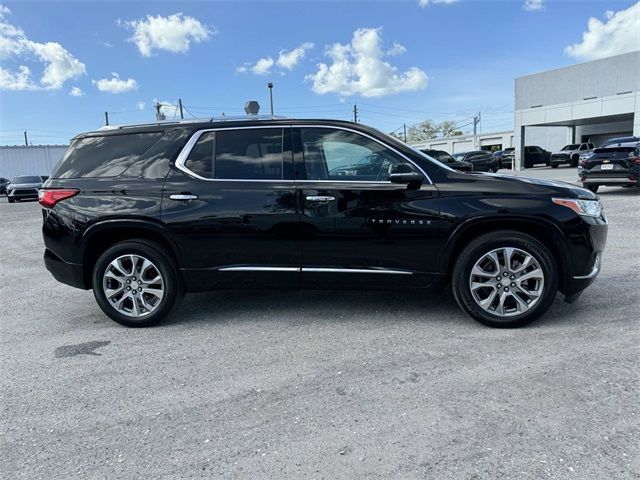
(448, 128)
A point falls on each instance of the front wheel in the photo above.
(593, 188)
(554, 165)
(505, 279)
(136, 283)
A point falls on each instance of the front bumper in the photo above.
(24, 193)
(586, 251)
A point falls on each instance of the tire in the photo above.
(542, 268)
(11, 200)
(593, 188)
(574, 161)
(141, 309)
(528, 165)
(554, 165)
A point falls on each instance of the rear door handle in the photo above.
(320, 198)
(183, 197)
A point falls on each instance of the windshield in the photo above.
(458, 156)
(26, 179)
(575, 146)
(441, 156)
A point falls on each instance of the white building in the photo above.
(590, 101)
(31, 160)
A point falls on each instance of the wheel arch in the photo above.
(103, 235)
(544, 231)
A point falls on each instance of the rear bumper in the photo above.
(610, 180)
(71, 274)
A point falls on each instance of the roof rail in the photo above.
(193, 120)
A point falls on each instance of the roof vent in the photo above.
(252, 107)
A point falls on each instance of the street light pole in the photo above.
(270, 85)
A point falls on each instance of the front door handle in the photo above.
(320, 198)
(183, 197)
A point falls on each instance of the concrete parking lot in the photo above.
(319, 384)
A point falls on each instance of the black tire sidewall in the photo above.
(472, 253)
(167, 269)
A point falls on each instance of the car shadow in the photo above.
(301, 305)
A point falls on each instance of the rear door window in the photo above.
(104, 155)
(242, 154)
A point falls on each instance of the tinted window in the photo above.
(252, 154)
(26, 179)
(571, 147)
(332, 154)
(200, 159)
(104, 156)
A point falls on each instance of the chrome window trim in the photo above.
(186, 150)
(259, 269)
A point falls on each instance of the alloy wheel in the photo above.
(507, 281)
(133, 285)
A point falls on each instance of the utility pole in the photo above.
(106, 118)
(404, 127)
(476, 121)
(159, 115)
(355, 113)
(181, 112)
(270, 85)
(26, 141)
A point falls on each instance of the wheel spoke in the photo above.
(156, 292)
(508, 255)
(112, 292)
(487, 302)
(525, 264)
(537, 273)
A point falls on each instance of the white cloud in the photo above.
(20, 80)
(426, 3)
(115, 84)
(358, 68)
(533, 5)
(173, 33)
(396, 49)
(76, 92)
(59, 65)
(619, 33)
(289, 59)
(261, 67)
(140, 105)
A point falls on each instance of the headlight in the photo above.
(588, 208)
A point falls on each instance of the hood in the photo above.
(25, 185)
(496, 182)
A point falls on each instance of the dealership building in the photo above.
(587, 102)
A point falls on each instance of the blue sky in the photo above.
(398, 60)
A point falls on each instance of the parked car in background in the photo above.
(448, 160)
(143, 213)
(4, 182)
(504, 157)
(481, 160)
(570, 154)
(534, 155)
(24, 187)
(614, 163)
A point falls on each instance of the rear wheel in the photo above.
(136, 283)
(593, 188)
(505, 279)
(10, 200)
(554, 165)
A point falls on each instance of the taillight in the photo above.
(49, 197)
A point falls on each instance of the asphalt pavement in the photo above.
(322, 384)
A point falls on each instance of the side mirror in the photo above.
(405, 173)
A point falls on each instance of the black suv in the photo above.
(615, 163)
(482, 160)
(448, 160)
(142, 214)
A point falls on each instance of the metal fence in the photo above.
(31, 160)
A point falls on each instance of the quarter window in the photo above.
(331, 154)
(243, 154)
